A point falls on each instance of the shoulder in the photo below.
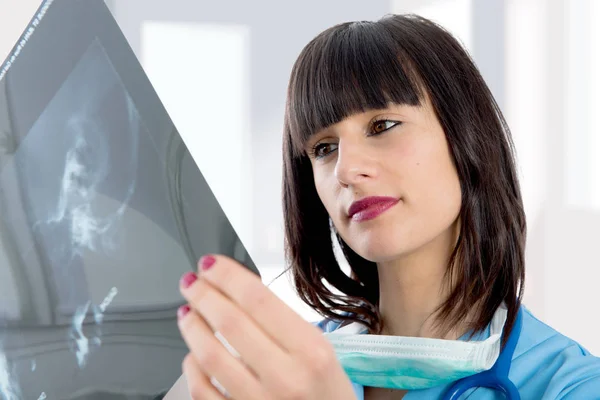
(551, 365)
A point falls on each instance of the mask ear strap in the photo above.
(498, 320)
(337, 241)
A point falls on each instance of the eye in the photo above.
(323, 149)
(382, 125)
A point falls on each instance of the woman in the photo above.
(394, 145)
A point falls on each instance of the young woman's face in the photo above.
(398, 163)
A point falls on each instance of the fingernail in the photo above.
(206, 262)
(187, 279)
(182, 311)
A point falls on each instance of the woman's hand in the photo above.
(281, 356)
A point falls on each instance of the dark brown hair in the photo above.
(359, 66)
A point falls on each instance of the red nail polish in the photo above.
(183, 310)
(187, 279)
(206, 262)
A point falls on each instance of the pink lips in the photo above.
(370, 207)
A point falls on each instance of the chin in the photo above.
(379, 250)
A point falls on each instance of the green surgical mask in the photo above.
(409, 363)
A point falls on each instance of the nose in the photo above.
(354, 164)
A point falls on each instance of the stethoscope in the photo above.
(497, 377)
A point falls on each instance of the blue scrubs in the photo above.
(545, 365)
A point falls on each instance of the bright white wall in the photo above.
(14, 16)
(552, 90)
(207, 95)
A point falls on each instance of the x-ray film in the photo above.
(102, 209)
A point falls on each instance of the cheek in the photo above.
(325, 190)
(441, 186)
(434, 184)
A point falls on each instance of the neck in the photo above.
(413, 287)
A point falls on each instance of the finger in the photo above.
(237, 328)
(199, 385)
(215, 360)
(270, 313)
